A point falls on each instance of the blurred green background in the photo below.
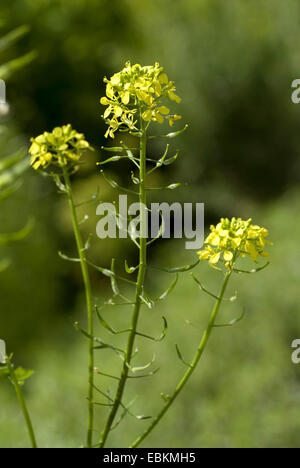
(233, 64)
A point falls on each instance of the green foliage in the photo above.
(10, 67)
(23, 374)
(4, 372)
(20, 373)
(246, 393)
(12, 167)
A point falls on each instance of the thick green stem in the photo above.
(138, 293)
(192, 367)
(22, 403)
(89, 306)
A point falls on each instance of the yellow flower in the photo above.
(62, 147)
(138, 88)
(233, 238)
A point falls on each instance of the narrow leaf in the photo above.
(170, 135)
(10, 67)
(141, 368)
(69, 259)
(13, 36)
(178, 269)
(181, 357)
(23, 374)
(104, 323)
(129, 269)
(169, 290)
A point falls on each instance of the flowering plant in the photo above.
(134, 90)
(62, 147)
(135, 99)
(233, 238)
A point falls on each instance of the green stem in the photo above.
(89, 306)
(192, 367)
(139, 290)
(22, 403)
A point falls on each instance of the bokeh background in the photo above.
(233, 63)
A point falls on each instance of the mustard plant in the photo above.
(58, 155)
(137, 98)
(228, 242)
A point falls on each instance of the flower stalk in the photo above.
(139, 286)
(22, 402)
(192, 366)
(89, 305)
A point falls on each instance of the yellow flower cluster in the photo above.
(137, 88)
(62, 147)
(233, 238)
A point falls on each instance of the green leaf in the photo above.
(4, 264)
(109, 160)
(114, 284)
(160, 162)
(113, 149)
(170, 135)
(115, 185)
(129, 269)
(9, 191)
(134, 179)
(23, 374)
(13, 65)
(174, 186)
(232, 322)
(181, 357)
(11, 160)
(178, 269)
(143, 418)
(164, 331)
(169, 290)
(141, 368)
(12, 37)
(147, 301)
(102, 345)
(17, 236)
(149, 374)
(109, 273)
(163, 161)
(254, 270)
(204, 289)
(104, 271)
(104, 323)
(168, 187)
(9, 177)
(69, 259)
(169, 161)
